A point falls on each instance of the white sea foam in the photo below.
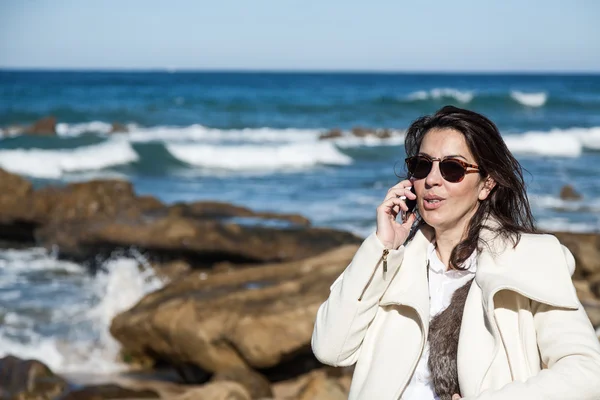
(462, 96)
(54, 163)
(529, 99)
(87, 346)
(199, 133)
(557, 142)
(266, 157)
(65, 129)
(564, 225)
(555, 202)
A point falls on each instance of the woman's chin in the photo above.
(432, 217)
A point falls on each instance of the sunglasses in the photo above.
(452, 170)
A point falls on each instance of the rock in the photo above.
(203, 241)
(257, 385)
(28, 379)
(97, 199)
(221, 211)
(383, 134)
(217, 391)
(118, 127)
(589, 301)
(331, 134)
(109, 391)
(257, 317)
(568, 193)
(361, 132)
(320, 387)
(86, 220)
(586, 250)
(45, 126)
(16, 222)
(172, 270)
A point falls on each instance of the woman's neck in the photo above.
(446, 241)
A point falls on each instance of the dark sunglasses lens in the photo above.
(452, 171)
(419, 167)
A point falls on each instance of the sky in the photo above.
(325, 35)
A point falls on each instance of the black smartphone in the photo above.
(411, 204)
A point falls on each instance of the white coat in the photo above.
(524, 333)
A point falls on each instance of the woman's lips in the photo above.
(431, 204)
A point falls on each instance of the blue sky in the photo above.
(385, 35)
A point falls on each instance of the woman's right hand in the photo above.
(393, 234)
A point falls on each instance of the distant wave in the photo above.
(259, 157)
(461, 96)
(558, 142)
(529, 99)
(264, 149)
(52, 164)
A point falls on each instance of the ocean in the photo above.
(252, 139)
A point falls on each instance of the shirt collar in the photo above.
(437, 266)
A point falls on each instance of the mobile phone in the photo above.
(411, 204)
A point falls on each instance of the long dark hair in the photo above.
(507, 202)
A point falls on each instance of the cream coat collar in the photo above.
(499, 266)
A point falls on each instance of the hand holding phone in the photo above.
(400, 199)
(410, 203)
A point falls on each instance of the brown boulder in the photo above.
(118, 127)
(28, 379)
(586, 250)
(16, 196)
(590, 303)
(98, 199)
(331, 134)
(359, 131)
(204, 241)
(321, 387)
(217, 391)
(45, 126)
(109, 391)
(257, 385)
(568, 193)
(257, 317)
(218, 210)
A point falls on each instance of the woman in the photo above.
(465, 300)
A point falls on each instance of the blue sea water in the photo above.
(253, 139)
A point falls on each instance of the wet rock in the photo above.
(217, 391)
(90, 219)
(257, 317)
(118, 127)
(202, 241)
(257, 385)
(44, 126)
(221, 211)
(28, 379)
(331, 134)
(359, 131)
(108, 391)
(16, 219)
(568, 193)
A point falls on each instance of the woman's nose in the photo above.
(434, 178)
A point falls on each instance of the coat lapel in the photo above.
(535, 269)
(410, 287)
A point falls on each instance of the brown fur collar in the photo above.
(444, 331)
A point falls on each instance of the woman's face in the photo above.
(457, 202)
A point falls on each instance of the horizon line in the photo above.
(175, 70)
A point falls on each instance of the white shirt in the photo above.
(442, 285)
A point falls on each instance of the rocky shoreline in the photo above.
(236, 318)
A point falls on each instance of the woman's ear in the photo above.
(488, 184)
